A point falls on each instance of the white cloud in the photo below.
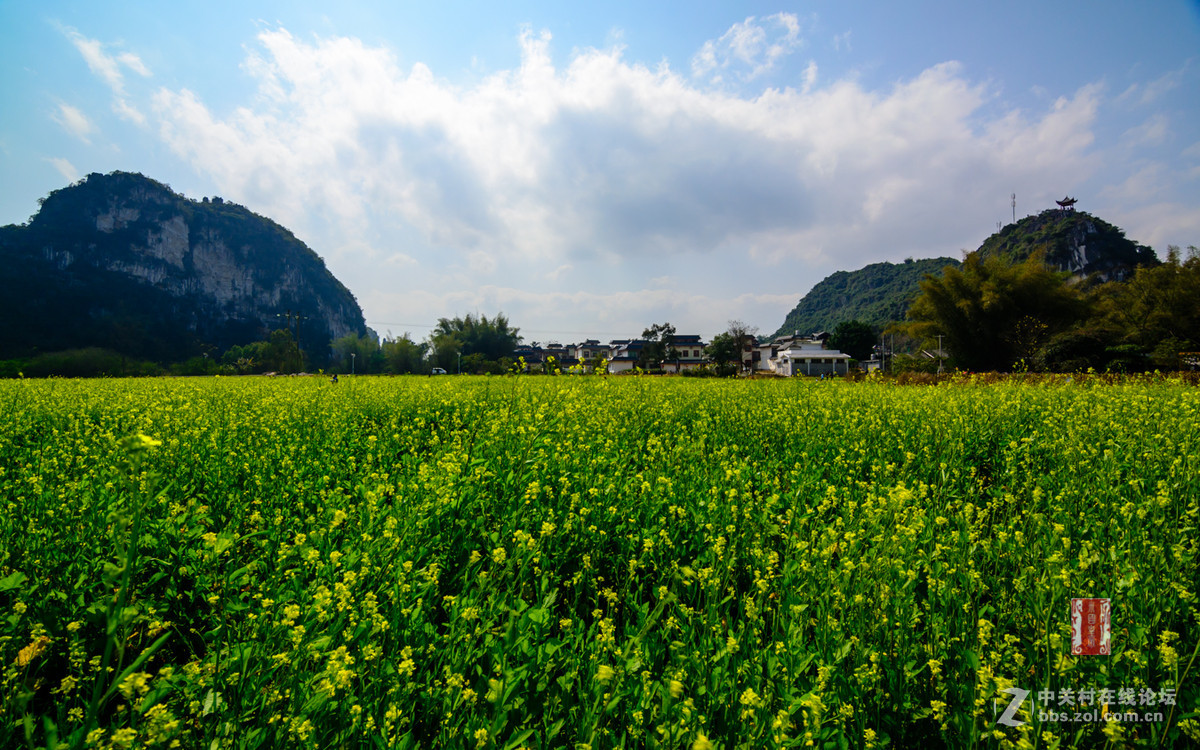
(65, 168)
(74, 122)
(481, 262)
(602, 167)
(810, 77)
(612, 314)
(558, 273)
(1152, 132)
(603, 157)
(750, 47)
(104, 65)
(1148, 93)
(128, 112)
(1160, 223)
(134, 63)
(400, 259)
(111, 69)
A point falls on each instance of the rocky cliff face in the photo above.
(1072, 241)
(131, 265)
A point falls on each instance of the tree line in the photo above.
(472, 344)
(994, 314)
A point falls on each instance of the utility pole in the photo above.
(1014, 205)
(289, 316)
(352, 356)
(940, 370)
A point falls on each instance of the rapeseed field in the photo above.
(589, 562)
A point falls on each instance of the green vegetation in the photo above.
(1157, 311)
(90, 270)
(878, 295)
(660, 346)
(485, 346)
(1004, 308)
(853, 337)
(611, 562)
(1073, 241)
(996, 314)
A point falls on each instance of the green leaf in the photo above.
(212, 702)
(842, 651)
(13, 581)
(518, 740)
(972, 659)
(129, 615)
(112, 573)
(238, 574)
(224, 542)
(51, 732)
(135, 666)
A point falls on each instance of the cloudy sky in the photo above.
(591, 169)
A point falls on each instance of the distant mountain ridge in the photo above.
(123, 262)
(878, 295)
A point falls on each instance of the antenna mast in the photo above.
(1014, 205)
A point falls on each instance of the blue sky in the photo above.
(592, 169)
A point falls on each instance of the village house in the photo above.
(624, 354)
(690, 349)
(802, 355)
(588, 350)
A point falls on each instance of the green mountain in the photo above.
(1072, 241)
(122, 262)
(877, 295)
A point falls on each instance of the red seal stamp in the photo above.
(1090, 627)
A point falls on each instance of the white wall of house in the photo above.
(765, 361)
(806, 357)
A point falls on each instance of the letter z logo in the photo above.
(1008, 717)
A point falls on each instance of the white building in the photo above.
(797, 355)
